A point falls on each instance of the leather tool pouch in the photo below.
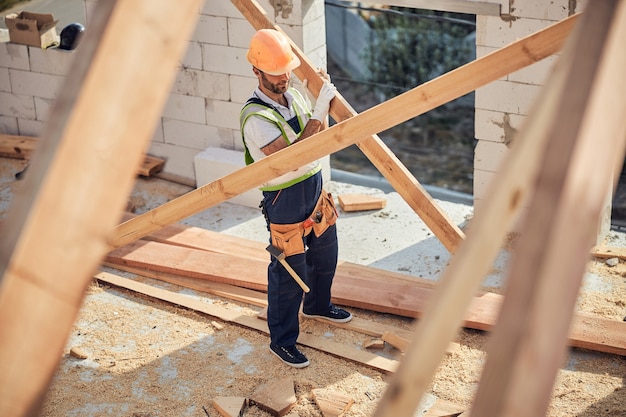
(326, 206)
(288, 238)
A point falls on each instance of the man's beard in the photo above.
(274, 88)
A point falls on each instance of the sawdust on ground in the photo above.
(146, 357)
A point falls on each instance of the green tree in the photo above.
(410, 48)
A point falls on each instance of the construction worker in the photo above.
(276, 116)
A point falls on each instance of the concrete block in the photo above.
(16, 105)
(204, 84)
(241, 88)
(187, 108)
(549, 10)
(220, 8)
(223, 114)
(5, 81)
(507, 97)
(226, 60)
(8, 125)
(211, 29)
(482, 179)
(29, 127)
(195, 136)
(51, 61)
(35, 84)
(193, 56)
(488, 156)
(240, 32)
(178, 160)
(496, 126)
(214, 163)
(495, 32)
(42, 108)
(536, 73)
(13, 55)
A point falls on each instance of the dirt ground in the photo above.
(146, 357)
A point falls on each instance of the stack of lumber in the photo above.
(197, 256)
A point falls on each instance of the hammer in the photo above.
(276, 253)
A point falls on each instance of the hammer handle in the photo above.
(293, 274)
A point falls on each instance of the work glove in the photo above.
(322, 106)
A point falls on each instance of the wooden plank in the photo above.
(80, 176)
(587, 143)
(467, 269)
(229, 406)
(231, 292)
(352, 129)
(360, 202)
(324, 345)
(276, 397)
(22, 147)
(257, 298)
(358, 286)
(151, 165)
(608, 252)
(18, 147)
(331, 403)
(479, 8)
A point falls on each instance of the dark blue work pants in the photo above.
(316, 266)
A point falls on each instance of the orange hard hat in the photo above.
(271, 52)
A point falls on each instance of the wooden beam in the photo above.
(471, 264)
(587, 132)
(354, 286)
(479, 8)
(376, 119)
(324, 345)
(18, 147)
(54, 235)
(373, 147)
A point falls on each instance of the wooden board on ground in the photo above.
(360, 202)
(324, 345)
(332, 404)
(18, 147)
(151, 165)
(607, 252)
(229, 406)
(276, 397)
(354, 286)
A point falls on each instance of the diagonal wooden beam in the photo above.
(373, 147)
(419, 100)
(467, 269)
(528, 346)
(54, 235)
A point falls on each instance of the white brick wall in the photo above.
(213, 82)
(502, 106)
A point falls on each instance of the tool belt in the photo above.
(289, 237)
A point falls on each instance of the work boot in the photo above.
(290, 355)
(334, 314)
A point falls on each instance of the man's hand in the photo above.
(322, 106)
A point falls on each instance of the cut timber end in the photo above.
(150, 166)
(361, 202)
(229, 406)
(332, 404)
(277, 397)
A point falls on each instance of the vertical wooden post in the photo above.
(529, 341)
(506, 195)
(55, 234)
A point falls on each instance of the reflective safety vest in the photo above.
(290, 129)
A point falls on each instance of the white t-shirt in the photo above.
(259, 132)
